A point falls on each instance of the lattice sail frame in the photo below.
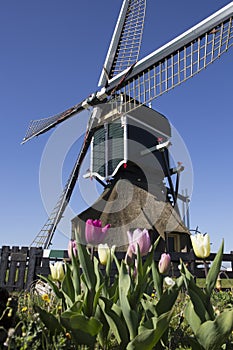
(177, 61)
(123, 52)
(126, 40)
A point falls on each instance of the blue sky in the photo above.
(52, 54)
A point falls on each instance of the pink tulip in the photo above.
(94, 231)
(72, 246)
(164, 263)
(140, 238)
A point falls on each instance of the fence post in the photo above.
(192, 262)
(231, 252)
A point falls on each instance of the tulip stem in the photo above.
(92, 252)
(206, 268)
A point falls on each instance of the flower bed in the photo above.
(80, 306)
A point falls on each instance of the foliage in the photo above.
(120, 306)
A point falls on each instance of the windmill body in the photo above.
(129, 141)
(127, 137)
(130, 158)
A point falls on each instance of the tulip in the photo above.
(72, 246)
(140, 238)
(201, 245)
(94, 232)
(57, 271)
(164, 263)
(169, 281)
(104, 252)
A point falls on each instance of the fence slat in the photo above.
(35, 256)
(5, 252)
(12, 270)
(22, 268)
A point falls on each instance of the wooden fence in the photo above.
(20, 267)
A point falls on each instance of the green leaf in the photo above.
(79, 337)
(139, 275)
(199, 307)
(214, 271)
(169, 297)
(213, 334)
(53, 285)
(189, 341)
(87, 266)
(198, 297)
(118, 266)
(75, 274)
(116, 323)
(150, 255)
(129, 314)
(113, 291)
(150, 337)
(96, 297)
(74, 309)
(98, 274)
(192, 318)
(157, 279)
(109, 263)
(49, 320)
(67, 287)
(88, 325)
(148, 304)
(88, 302)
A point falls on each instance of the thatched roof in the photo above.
(127, 205)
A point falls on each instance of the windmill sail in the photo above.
(126, 40)
(123, 52)
(44, 237)
(37, 127)
(177, 61)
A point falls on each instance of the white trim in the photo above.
(114, 43)
(125, 137)
(106, 153)
(173, 45)
(156, 148)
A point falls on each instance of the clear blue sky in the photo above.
(52, 54)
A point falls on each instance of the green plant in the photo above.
(113, 312)
(211, 331)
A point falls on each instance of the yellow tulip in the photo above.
(201, 245)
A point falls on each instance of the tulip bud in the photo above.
(57, 271)
(140, 238)
(164, 263)
(72, 246)
(94, 232)
(201, 245)
(103, 253)
(169, 281)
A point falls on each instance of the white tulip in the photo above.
(201, 245)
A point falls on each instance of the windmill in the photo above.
(127, 86)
